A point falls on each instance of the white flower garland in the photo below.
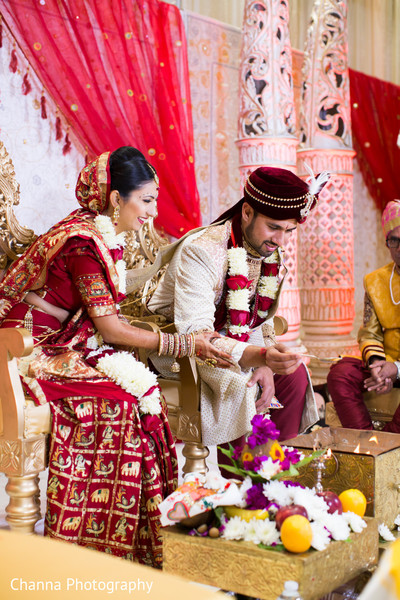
(121, 367)
(113, 241)
(240, 299)
(134, 377)
(105, 226)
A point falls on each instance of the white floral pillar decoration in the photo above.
(267, 132)
(326, 240)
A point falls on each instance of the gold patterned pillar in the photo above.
(266, 134)
(326, 240)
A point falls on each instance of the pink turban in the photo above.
(391, 216)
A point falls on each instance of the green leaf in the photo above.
(291, 472)
(233, 469)
(218, 512)
(227, 452)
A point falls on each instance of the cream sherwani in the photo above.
(188, 295)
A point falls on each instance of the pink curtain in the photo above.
(118, 72)
(375, 115)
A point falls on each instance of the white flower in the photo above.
(234, 529)
(269, 468)
(267, 532)
(99, 350)
(237, 262)
(320, 536)
(274, 258)
(268, 286)
(356, 523)
(397, 521)
(239, 329)
(250, 532)
(385, 533)
(238, 299)
(276, 491)
(133, 376)
(336, 525)
(120, 267)
(314, 505)
(261, 531)
(246, 485)
(150, 405)
(105, 227)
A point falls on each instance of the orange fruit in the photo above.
(353, 501)
(296, 533)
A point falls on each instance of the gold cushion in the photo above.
(37, 419)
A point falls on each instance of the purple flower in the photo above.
(263, 430)
(293, 484)
(291, 458)
(248, 465)
(255, 497)
(237, 452)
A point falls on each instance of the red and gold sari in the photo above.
(109, 466)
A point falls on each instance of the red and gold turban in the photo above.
(280, 194)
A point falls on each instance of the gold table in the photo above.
(244, 568)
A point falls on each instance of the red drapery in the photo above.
(118, 72)
(375, 115)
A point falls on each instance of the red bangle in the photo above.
(263, 352)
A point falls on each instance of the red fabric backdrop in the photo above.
(118, 72)
(375, 115)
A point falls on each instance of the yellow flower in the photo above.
(276, 452)
(247, 457)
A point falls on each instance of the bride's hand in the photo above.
(208, 353)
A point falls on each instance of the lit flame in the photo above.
(368, 452)
(357, 449)
(373, 438)
(328, 453)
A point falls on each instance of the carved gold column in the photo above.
(326, 240)
(267, 116)
(22, 456)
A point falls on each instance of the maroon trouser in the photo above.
(290, 390)
(346, 387)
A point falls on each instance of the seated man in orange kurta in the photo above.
(378, 338)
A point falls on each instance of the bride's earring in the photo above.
(115, 216)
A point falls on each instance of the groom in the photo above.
(228, 277)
